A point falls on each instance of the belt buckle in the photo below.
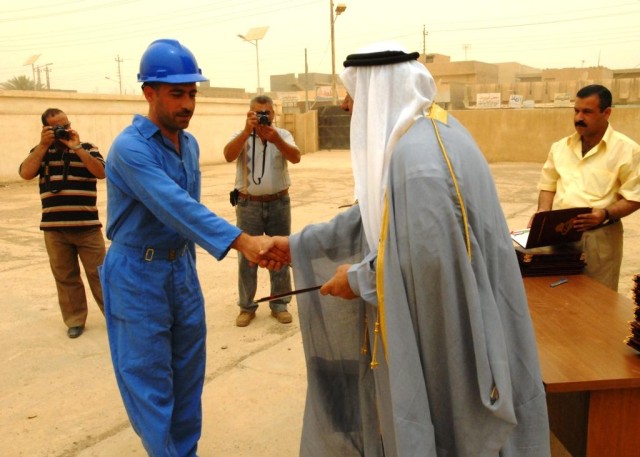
(172, 255)
(148, 254)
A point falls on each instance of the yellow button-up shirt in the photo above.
(608, 172)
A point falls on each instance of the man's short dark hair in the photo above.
(50, 112)
(261, 100)
(602, 92)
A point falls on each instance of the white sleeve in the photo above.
(362, 278)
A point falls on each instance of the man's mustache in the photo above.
(185, 113)
(580, 124)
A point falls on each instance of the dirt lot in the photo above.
(58, 397)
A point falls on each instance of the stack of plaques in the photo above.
(562, 259)
(551, 246)
(633, 340)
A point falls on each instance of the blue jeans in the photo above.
(263, 218)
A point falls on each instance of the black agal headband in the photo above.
(379, 58)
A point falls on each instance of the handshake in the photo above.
(268, 252)
(274, 253)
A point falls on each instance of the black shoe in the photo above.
(75, 332)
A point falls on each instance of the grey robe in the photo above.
(455, 328)
(340, 416)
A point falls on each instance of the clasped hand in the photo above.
(263, 250)
(279, 254)
(274, 254)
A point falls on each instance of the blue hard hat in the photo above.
(167, 61)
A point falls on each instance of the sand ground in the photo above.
(58, 397)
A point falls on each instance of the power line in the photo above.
(140, 26)
(57, 10)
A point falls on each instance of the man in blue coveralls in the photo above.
(153, 301)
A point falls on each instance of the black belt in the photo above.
(264, 198)
(150, 254)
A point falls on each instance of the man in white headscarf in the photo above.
(437, 302)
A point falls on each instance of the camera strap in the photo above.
(253, 159)
(66, 159)
(47, 173)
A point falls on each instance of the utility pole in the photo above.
(119, 61)
(424, 42)
(306, 82)
(334, 95)
(466, 48)
(46, 72)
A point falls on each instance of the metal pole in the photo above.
(333, 58)
(424, 42)
(258, 67)
(306, 82)
(119, 60)
(46, 72)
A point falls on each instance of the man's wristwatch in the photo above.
(77, 146)
(606, 215)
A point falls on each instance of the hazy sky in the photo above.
(82, 39)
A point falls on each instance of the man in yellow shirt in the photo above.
(599, 168)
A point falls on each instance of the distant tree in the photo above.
(21, 83)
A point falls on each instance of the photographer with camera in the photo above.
(69, 169)
(261, 199)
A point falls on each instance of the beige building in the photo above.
(467, 72)
(460, 82)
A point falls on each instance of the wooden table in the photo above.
(591, 376)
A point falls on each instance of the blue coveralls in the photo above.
(154, 305)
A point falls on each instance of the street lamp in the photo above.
(31, 61)
(252, 36)
(119, 82)
(340, 7)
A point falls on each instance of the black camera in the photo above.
(60, 133)
(263, 118)
(233, 197)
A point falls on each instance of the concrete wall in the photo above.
(525, 135)
(304, 128)
(100, 118)
(514, 135)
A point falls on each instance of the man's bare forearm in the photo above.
(234, 147)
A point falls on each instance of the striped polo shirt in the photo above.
(68, 190)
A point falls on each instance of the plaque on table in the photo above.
(633, 340)
(563, 259)
(549, 247)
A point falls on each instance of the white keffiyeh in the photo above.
(387, 101)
